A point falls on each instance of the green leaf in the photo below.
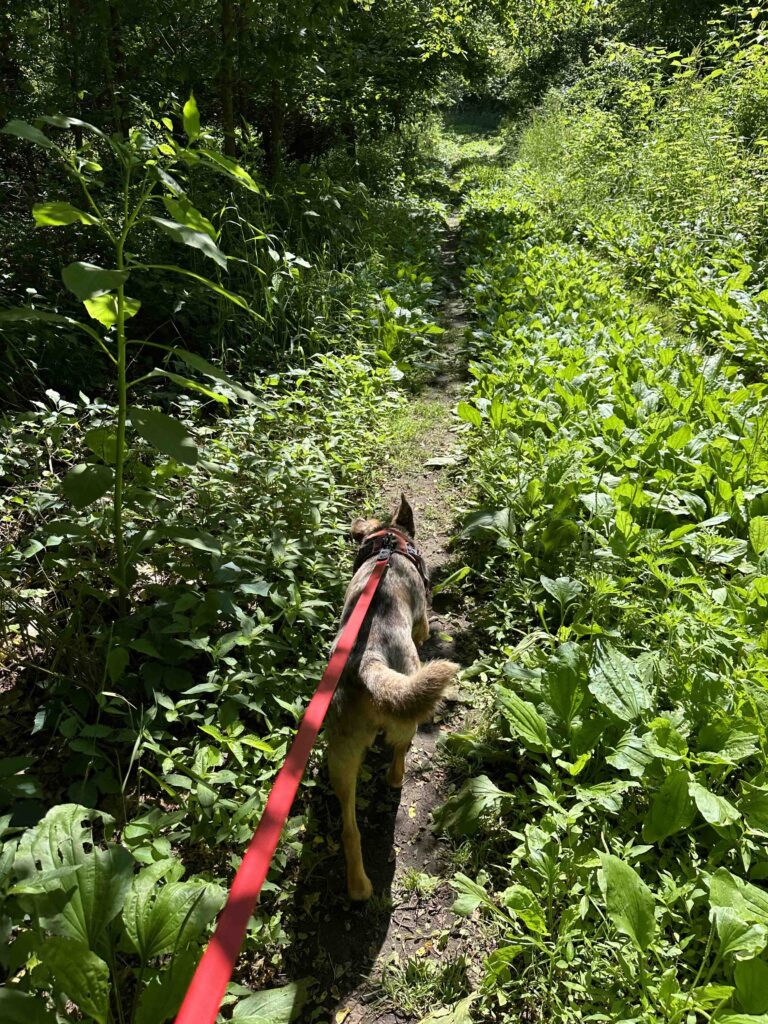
(104, 309)
(564, 590)
(87, 281)
(195, 239)
(565, 673)
(183, 212)
(56, 214)
(680, 438)
(22, 130)
(98, 878)
(165, 918)
(522, 902)
(469, 414)
(455, 577)
(758, 534)
(671, 810)
(737, 936)
(664, 741)
(191, 118)
(165, 989)
(526, 722)
(629, 901)
(26, 314)
(754, 806)
(79, 974)
(630, 754)
(165, 433)
(751, 977)
(471, 895)
(615, 681)
(222, 164)
(749, 902)
(59, 121)
(238, 300)
(273, 1005)
(456, 1014)
(713, 808)
(86, 483)
(192, 385)
(461, 813)
(209, 370)
(103, 443)
(17, 1007)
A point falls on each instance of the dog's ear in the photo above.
(404, 517)
(360, 528)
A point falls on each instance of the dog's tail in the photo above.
(413, 697)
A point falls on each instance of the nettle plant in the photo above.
(152, 166)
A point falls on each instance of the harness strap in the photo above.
(209, 982)
(399, 544)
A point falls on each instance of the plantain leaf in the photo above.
(469, 413)
(98, 877)
(161, 919)
(526, 722)
(672, 808)
(615, 681)
(758, 534)
(738, 936)
(629, 901)
(751, 977)
(79, 974)
(713, 808)
(166, 988)
(273, 1005)
(565, 673)
(461, 813)
(18, 1007)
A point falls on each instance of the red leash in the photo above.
(209, 982)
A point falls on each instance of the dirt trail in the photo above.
(346, 948)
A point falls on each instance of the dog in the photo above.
(384, 686)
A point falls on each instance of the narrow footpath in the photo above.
(366, 957)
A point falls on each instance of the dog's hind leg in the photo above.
(343, 766)
(401, 740)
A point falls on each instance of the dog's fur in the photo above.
(384, 686)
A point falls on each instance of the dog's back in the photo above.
(384, 686)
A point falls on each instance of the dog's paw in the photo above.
(359, 889)
(394, 778)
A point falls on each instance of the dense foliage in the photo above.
(616, 428)
(221, 288)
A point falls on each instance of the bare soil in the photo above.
(342, 945)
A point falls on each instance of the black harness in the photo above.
(393, 541)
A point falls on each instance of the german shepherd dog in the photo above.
(384, 686)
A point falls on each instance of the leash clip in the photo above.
(388, 545)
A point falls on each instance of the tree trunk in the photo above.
(273, 137)
(227, 76)
(74, 18)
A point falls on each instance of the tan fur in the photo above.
(384, 686)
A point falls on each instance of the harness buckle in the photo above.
(388, 545)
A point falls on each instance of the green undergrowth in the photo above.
(146, 711)
(612, 835)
